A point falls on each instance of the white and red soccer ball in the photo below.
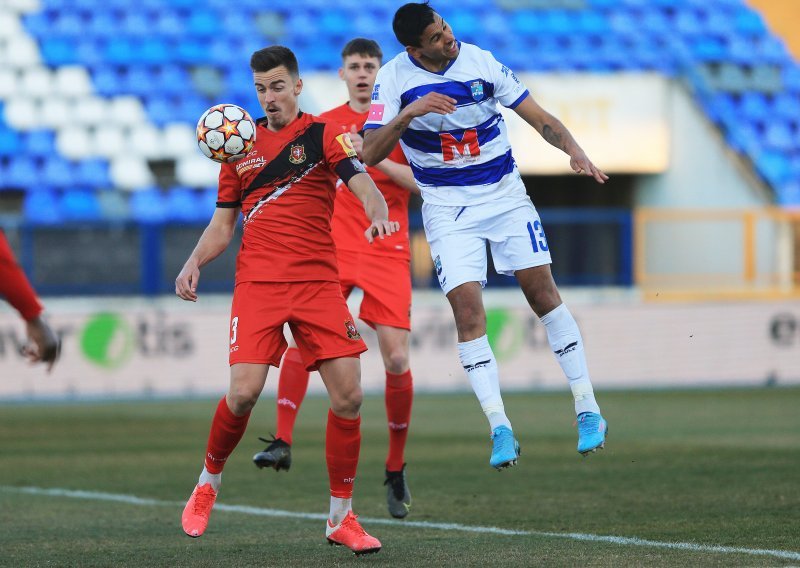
(226, 133)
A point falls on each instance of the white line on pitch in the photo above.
(261, 512)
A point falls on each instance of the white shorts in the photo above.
(458, 235)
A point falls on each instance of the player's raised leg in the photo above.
(227, 428)
(567, 345)
(292, 387)
(342, 378)
(398, 397)
(480, 365)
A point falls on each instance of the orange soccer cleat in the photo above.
(349, 533)
(198, 509)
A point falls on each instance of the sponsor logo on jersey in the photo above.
(375, 112)
(249, 164)
(297, 154)
(346, 144)
(351, 330)
(477, 90)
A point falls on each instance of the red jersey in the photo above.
(14, 285)
(349, 220)
(283, 187)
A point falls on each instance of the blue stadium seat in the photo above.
(93, 173)
(203, 23)
(79, 205)
(122, 51)
(791, 78)
(787, 107)
(774, 167)
(22, 172)
(155, 51)
(90, 51)
(40, 143)
(107, 80)
(41, 207)
(161, 109)
(58, 51)
(754, 107)
(779, 136)
(789, 194)
(148, 206)
(749, 22)
(183, 204)
(58, 172)
(10, 142)
(168, 23)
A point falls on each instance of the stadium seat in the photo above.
(41, 207)
(754, 107)
(778, 136)
(129, 172)
(183, 204)
(79, 205)
(75, 143)
(39, 143)
(148, 206)
(93, 173)
(749, 22)
(10, 142)
(774, 168)
(113, 205)
(58, 172)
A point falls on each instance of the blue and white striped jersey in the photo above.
(463, 158)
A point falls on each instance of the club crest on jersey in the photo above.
(297, 154)
(477, 90)
(351, 330)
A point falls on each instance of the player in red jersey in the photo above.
(42, 345)
(286, 273)
(381, 269)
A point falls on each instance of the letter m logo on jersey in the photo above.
(456, 150)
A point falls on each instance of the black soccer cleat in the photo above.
(277, 455)
(398, 497)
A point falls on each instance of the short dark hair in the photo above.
(274, 56)
(410, 22)
(362, 46)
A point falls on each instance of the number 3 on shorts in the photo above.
(234, 325)
(538, 240)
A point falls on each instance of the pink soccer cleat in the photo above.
(198, 509)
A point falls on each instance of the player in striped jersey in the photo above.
(440, 100)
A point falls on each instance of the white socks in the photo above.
(339, 509)
(215, 479)
(481, 367)
(567, 345)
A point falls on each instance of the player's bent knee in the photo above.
(242, 400)
(397, 362)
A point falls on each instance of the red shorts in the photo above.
(317, 315)
(386, 283)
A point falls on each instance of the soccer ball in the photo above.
(226, 133)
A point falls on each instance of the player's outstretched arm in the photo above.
(374, 206)
(43, 344)
(212, 242)
(400, 174)
(556, 134)
(379, 142)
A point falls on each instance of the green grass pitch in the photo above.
(709, 468)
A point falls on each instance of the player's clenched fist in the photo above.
(432, 102)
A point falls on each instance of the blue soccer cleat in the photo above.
(505, 448)
(592, 430)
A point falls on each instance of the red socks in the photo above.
(342, 446)
(226, 431)
(399, 396)
(292, 387)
